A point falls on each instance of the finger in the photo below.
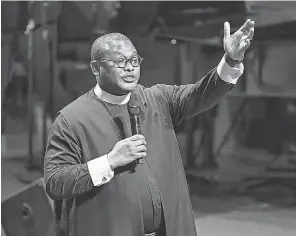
(136, 137)
(226, 30)
(141, 155)
(251, 34)
(141, 148)
(245, 44)
(246, 26)
(139, 142)
(239, 35)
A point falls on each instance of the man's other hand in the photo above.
(236, 44)
(127, 151)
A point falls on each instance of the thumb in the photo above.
(226, 30)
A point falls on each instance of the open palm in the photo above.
(236, 44)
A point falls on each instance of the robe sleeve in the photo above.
(65, 175)
(186, 101)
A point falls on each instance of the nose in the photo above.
(128, 67)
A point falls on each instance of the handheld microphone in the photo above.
(134, 110)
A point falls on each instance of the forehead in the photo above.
(120, 48)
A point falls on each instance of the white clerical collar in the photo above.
(110, 98)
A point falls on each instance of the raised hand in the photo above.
(236, 44)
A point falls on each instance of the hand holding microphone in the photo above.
(132, 148)
(127, 150)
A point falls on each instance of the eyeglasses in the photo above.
(122, 62)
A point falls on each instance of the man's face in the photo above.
(114, 79)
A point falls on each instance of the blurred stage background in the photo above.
(239, 157)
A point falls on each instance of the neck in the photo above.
(111, 89)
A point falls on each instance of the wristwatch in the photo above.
(232, 62)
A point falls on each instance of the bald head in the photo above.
(109, 42)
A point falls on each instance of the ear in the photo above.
(95, 68)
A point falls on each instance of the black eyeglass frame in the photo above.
(140, 59)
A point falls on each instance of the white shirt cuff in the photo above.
(100, 170)
(228, 73)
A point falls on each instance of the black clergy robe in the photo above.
(85, 130)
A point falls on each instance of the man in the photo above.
(90, 163)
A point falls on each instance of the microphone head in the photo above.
(133, 105)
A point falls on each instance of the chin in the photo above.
(128, 87)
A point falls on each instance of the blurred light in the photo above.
(112, 7)
(173, 41)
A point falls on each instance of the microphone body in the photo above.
(135, 124)
(134, 110)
